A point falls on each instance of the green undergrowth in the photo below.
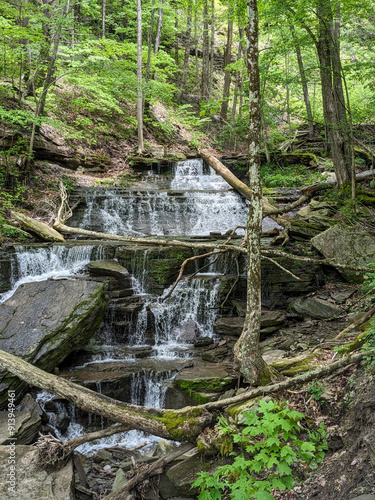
(293, 176)
(272, 450)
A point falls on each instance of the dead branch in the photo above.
(53, 453)
(282, 268)
(356, 323)
(183, 265)
(152, 470)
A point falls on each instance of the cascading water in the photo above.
(199, 202)
(41, 263)
(147, 389)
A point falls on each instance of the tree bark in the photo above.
(149, 41)
(139, 78)
(159, 26)
(206, 53)
(187, 46)
(332, 107)
(246, 350)
(305, 87)
(179, 425)
(227, 74)
(104, 5)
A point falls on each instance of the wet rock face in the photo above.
(43, 322)
(348, 246)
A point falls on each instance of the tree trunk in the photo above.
(104, 5)
(246, 351)
(180, 425)
(149, 41)
(187, 46)
(159, 26)
(139, 78)
(205, 54)
(305, 87)
(227, 74)
(212, 50)
(237, 81)
(331, 107)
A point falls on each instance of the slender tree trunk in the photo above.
(139, 77)
(212, 50)
(159, 26)
(236, 84)
(305, 87)
(196, 40)
(104, 5)
(177, 48)
(246, 351)
(227, 74)
(287, 94)
(149, 41)
(187, 46)
(205, 53)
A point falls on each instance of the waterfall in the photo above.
(198, 202)
(57, 261)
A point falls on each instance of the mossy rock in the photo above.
(284, 364)
(43, 322)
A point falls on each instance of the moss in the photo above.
(183, 426)
(298, 369)
(204, 385)
(354, 344)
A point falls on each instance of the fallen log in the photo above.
(316, 374)
(178, 425)
(157, 467)
(268, 209)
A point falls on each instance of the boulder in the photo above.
(270, 321)
(205, 377)
(25, 480)
(39, 228)
(314, 308)
(176, 482)
(347, 246)
(43, 322)
(187, 331)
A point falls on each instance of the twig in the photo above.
(283, 268)
(182, 268)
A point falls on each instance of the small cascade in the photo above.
(57, 261)
(190, 310)
(147, 389)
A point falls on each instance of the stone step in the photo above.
(116, 294)
(129, 308)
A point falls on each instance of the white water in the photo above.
(203, 203)
(147, 389)
(30, 264)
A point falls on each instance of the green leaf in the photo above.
(284, 469)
